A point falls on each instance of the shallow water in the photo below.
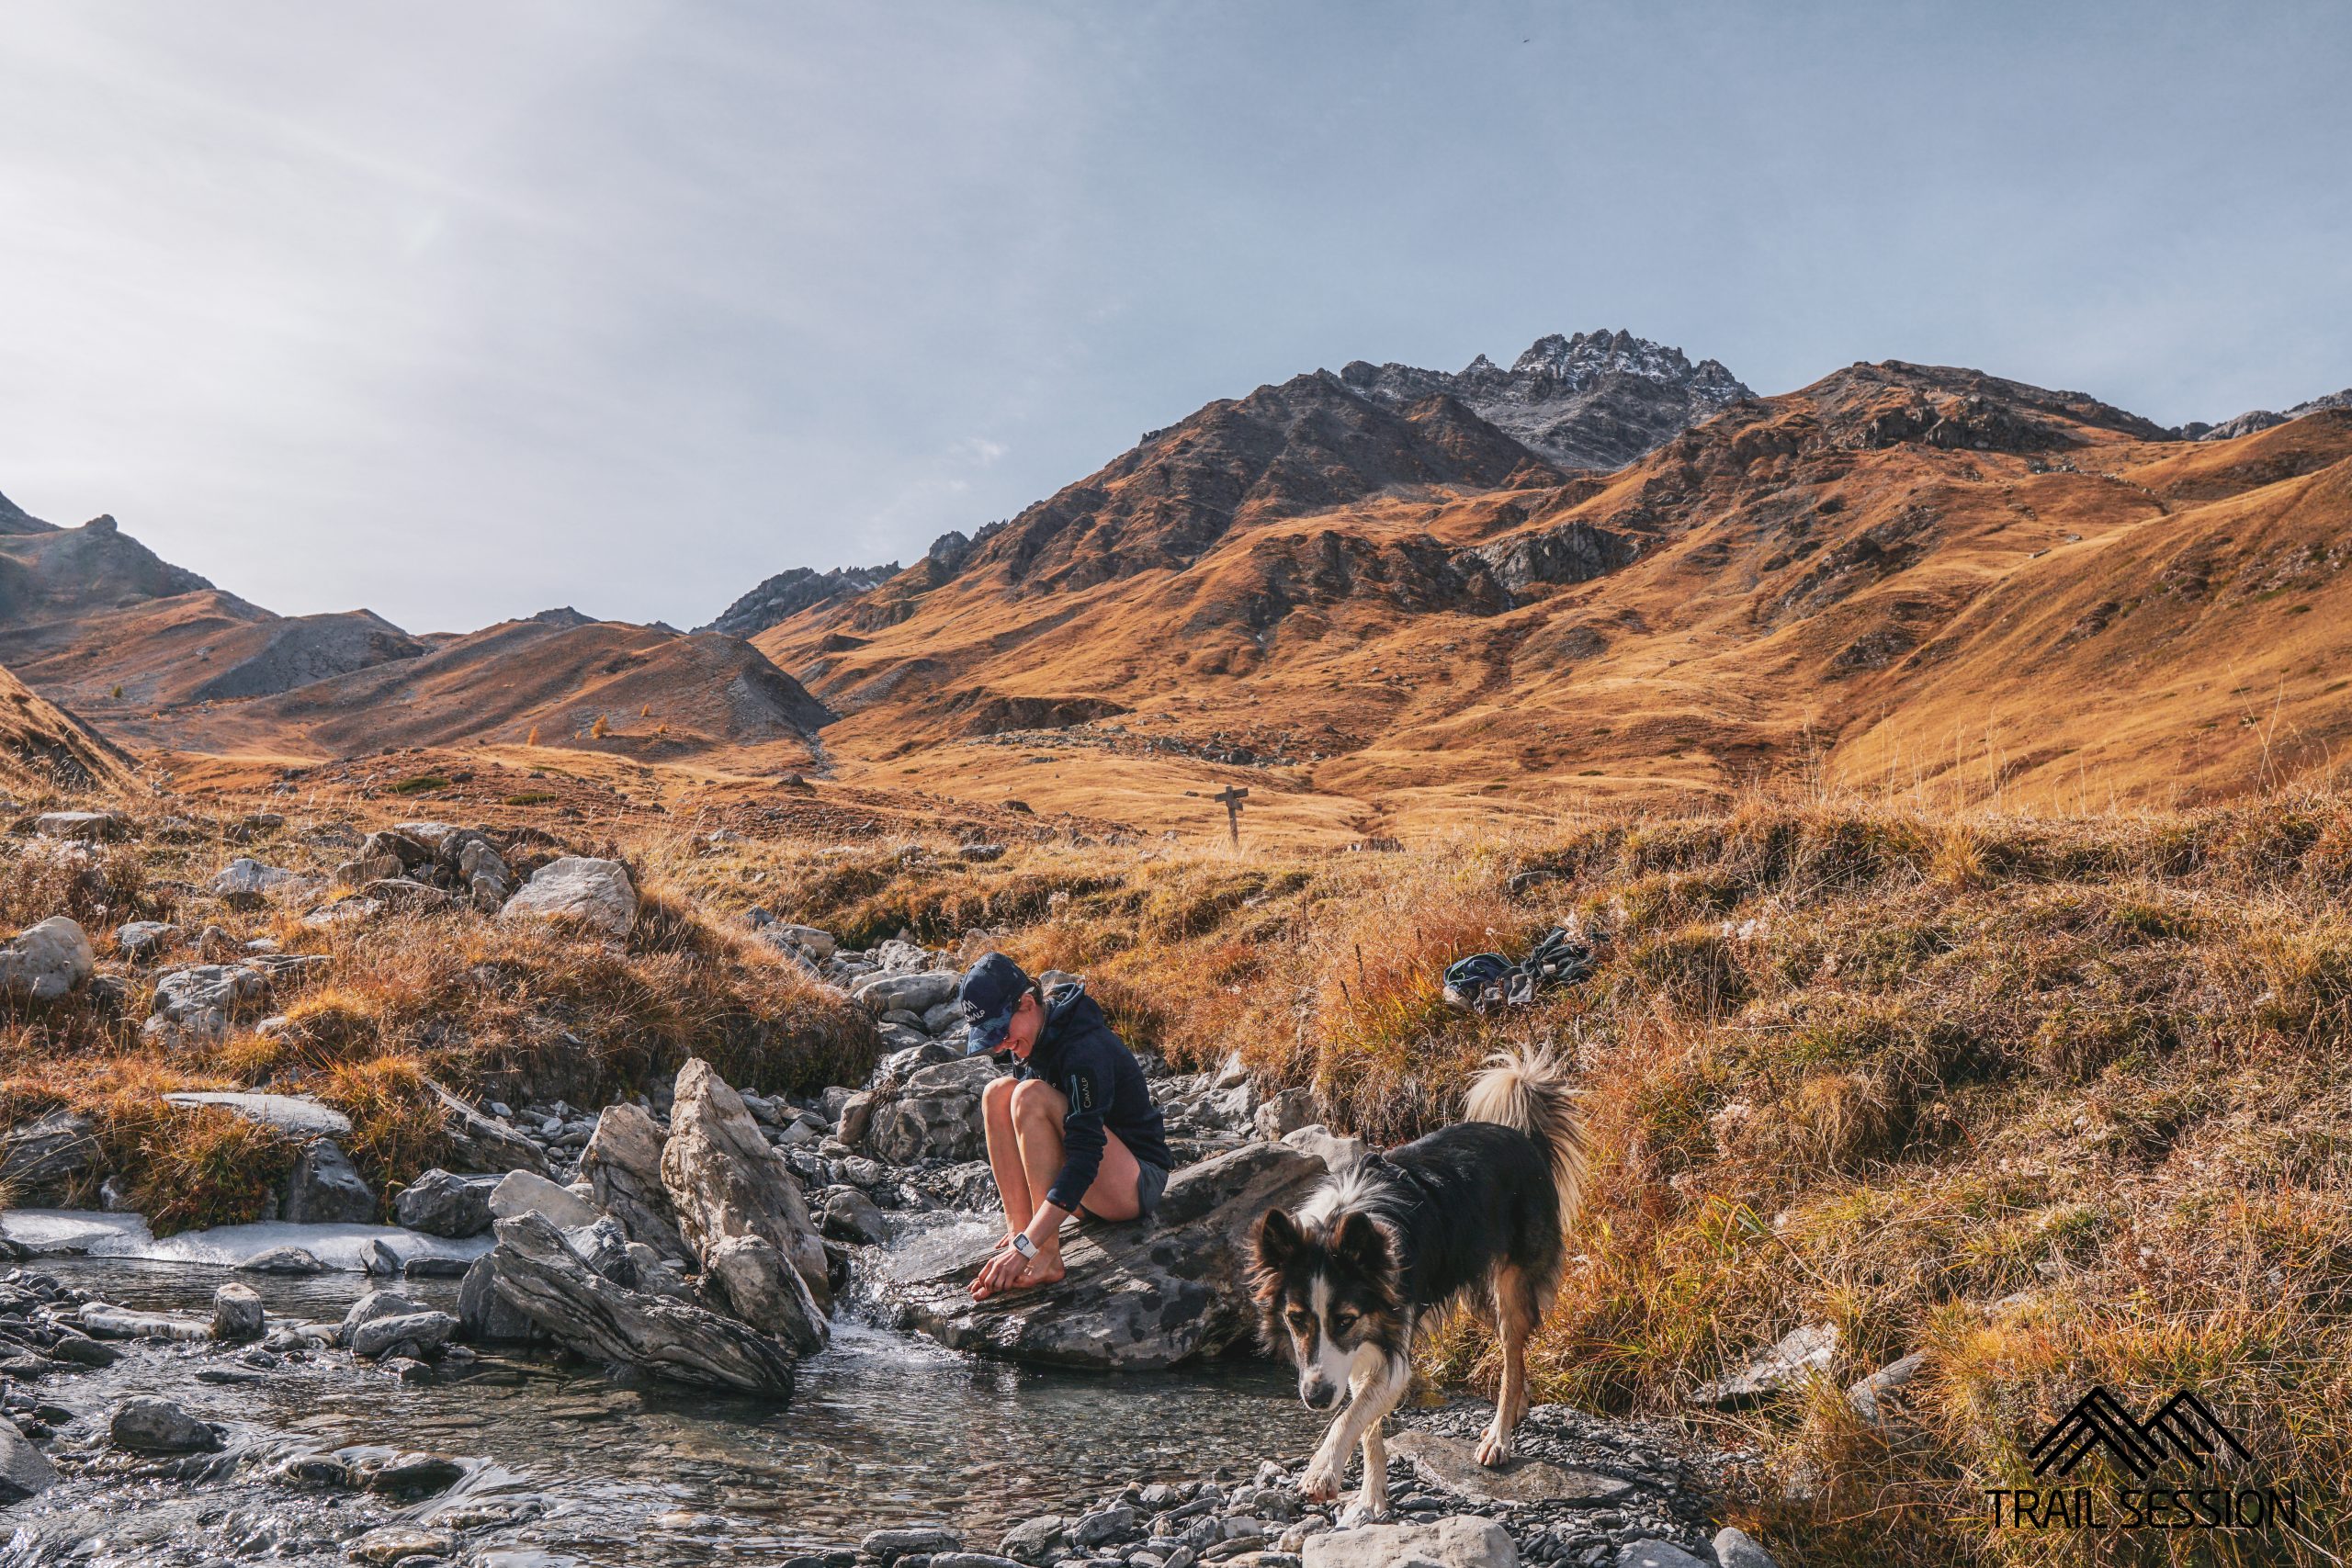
(884, 1430)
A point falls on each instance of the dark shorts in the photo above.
(1151, 1180)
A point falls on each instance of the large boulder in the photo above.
(44, 962)
(917, 993)
(1463, 1541)
(145, 1425)
(236, 1313)
(485, 1318)
(935, 1115)
(439, 1203)
(623, 1163)
(39, 1159)
(760, 1286)
(535, 1271)
(412, 1333)
(246, 884)
(25, 1471)
(90, 826)
(520, 1193)
(326, 1188)
(724, 1180)
(595, 893)
(1137, 1295)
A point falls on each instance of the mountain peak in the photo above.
(785, 594)
(1595, 400)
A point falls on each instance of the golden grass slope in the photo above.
(643, 691)
(1833, 584)
(46, 752)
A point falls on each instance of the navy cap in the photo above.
(990, 990)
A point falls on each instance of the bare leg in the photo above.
(1515, 1314)
(1037, 1112)
(1004, 1156)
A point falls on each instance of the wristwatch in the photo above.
(1022, 1245)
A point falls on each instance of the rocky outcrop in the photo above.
(200, 1002)
(44, 962)
(788, 593)
(484, 1144)
(535, 1271)
(596, 894)
(88, 827)
(934, 1115)
(623, 1163)
(724, 1180)
(1136, 1295)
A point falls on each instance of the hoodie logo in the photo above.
(1081, 1092)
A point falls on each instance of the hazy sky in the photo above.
(458, 311)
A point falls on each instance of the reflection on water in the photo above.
(885, 1429)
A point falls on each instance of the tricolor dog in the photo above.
(1482, 1206)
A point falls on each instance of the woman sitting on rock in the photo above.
(1073, 1128)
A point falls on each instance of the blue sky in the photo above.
(458, 311)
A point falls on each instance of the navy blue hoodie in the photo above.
(1079, 1053)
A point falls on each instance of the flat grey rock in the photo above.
(1135, 1296)
(1449, 1464)
(291, 1114)
(1800, 1354)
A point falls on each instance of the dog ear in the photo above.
(1361, 1245)
(1275, 1242)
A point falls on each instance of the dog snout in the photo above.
(1318, 1393)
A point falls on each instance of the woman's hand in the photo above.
(1004, 1271)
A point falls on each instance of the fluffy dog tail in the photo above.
(1527, 1090)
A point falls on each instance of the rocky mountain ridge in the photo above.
(1594, 400)
(790, 592)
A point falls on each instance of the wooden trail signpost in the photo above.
(1231, 798)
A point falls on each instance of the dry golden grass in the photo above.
(2051, 1100)
(525, 1010)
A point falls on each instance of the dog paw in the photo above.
(1322, 1483)
(1493, 1449)
(1363, 1513)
